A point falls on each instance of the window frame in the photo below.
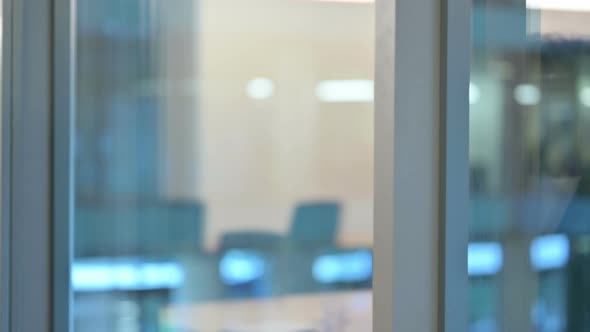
(421, 165)
(37, 113)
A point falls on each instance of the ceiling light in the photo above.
(474, 94)
(345, 91)
(260, 88)
(527, 94)
(584, 95)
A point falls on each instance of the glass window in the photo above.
(529, 257)
(224, 165)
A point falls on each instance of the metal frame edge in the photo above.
(63, 115)
(6, 164)
(455, 59)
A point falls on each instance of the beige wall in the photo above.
(251, 161)
(567, 24)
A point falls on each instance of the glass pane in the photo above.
(224, 165)
(529, 258)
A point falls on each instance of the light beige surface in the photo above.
(252, 161)
(565, 24)
(330, 312)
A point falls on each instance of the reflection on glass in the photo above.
(224, 156)
(530, 165)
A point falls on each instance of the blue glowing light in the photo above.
(484, 258)
(127, 275)
(345, 267)
(240, 267)
(550, 252)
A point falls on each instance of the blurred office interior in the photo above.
(224, 166)
(529, 165)
(224, 178)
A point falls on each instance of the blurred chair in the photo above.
(313, 232)
(315, 224)
(250, 240)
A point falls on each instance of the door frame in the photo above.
(422, 165)
(37, 168)
(421, 148)
(63, 116)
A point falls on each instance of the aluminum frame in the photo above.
(63, 116)
(37, 115)
(6, 162)
(28, 168)
(455, 57)
(421, 165)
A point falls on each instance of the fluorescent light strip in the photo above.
(345, 91)
(550, 252)
(562, 5)
(101, 275)
(260, 88)
(527, 94)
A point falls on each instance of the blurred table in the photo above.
(325, 312)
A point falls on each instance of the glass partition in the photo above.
(224, 165)
(530, 166)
